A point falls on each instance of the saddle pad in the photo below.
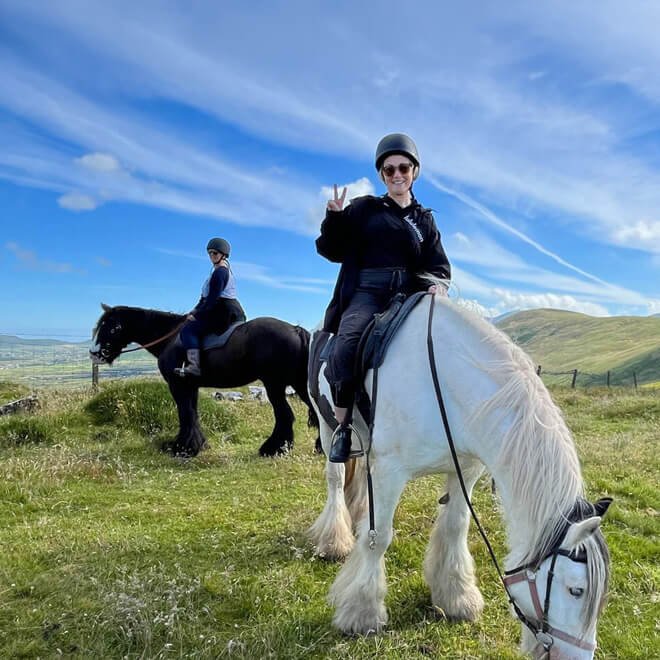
(218, 341)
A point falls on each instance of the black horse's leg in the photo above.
(198, 441)
(312, 418)
(190, 439)
(281, 439)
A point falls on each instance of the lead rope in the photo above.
(459, 474)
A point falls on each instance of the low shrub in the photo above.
(147, 407)
(22, 430)
(12, 391)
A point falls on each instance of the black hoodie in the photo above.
(375, 232)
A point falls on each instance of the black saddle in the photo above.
(372, 348)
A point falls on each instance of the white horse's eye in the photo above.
(576, 591)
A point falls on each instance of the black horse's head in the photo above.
(107, 336)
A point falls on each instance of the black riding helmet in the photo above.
(396, 143)
(219, 245)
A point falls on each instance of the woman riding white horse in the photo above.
(501, 417)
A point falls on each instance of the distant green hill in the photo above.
(13, 341)
(562, 341)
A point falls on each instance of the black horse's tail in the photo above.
(305, 337)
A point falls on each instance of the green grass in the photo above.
(12, 391)
(110, 549)
(562, 341)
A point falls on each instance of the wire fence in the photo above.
(576, 378)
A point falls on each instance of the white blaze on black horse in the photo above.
(265, 349)
(502, 417)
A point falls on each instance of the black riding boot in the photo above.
(192, 368)
(341, 445)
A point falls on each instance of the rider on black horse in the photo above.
(217, 309)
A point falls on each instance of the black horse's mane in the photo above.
(149, 315)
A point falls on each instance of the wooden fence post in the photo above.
(538, 370)
(635, 379)
(574, 378)
(608, 378)
(95, 375)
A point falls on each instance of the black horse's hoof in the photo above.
(177, 450)
(270, 449)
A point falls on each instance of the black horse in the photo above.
(264, 348)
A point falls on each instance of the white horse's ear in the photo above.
(105, 308)
(579, 531)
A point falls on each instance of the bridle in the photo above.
(542, 630)
(105, 353)
(544, 633)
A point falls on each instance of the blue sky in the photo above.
(132, 132)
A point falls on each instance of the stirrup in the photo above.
(353, 453)
(184, 371)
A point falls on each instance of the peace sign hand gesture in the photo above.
(337, 203)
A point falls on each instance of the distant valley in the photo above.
(559, 341)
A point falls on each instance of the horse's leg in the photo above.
(197, 440)
(281, 439)
(355, 489)
(332, 532)
(190, 439)
(358, 592)
(448, 565)
(312, 418)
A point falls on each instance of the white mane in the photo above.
(537, 447)
(539, 452)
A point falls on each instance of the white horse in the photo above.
(501, 417)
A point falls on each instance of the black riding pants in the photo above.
(216, 320)
(376, 287)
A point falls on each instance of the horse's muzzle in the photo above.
(99, 357)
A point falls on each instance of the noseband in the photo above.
(542, 631)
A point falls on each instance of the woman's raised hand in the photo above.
(337, 203)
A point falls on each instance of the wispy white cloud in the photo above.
(99, 162)
(250, 272)
(77, 202)
(30, 260)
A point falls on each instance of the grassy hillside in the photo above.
(111, 549)
(561, 341)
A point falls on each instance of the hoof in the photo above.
(177, 450)
(270, 449)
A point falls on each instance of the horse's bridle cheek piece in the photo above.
(541, 629)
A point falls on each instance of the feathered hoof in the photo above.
(334, 552)
(177, 450)
(466, 607)
(270, 448)
(369, 621)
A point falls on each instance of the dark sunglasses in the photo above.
(213, 252)
(404, 168)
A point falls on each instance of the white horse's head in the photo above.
(564, 596)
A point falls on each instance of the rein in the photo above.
(541, 630)
(155, 341)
